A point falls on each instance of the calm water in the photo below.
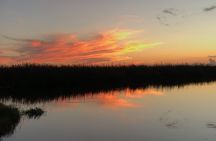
(174, 114)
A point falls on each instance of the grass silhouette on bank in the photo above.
(47, 81)
(9, 119)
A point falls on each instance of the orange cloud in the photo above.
(36, 43)
(110, 46)
(6, 60)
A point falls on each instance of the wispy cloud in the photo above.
(162, 20)
(109, 46)
(171, 11)
(211, 8)
(169, 16)
(34, 42)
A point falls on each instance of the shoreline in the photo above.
(38, 82)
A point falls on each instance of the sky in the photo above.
(107, 31)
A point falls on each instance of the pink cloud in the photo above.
(107, 47)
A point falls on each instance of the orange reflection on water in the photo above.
(114, 99)
(139, 93)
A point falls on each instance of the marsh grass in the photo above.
(46, 82)
(9, 119)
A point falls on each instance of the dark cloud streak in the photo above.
(170, 11)
(33, 42)
(15, 39)
(162, 20)
(169, 16)
(211, 8)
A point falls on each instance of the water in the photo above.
(169, 114)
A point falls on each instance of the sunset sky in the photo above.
(107, 31)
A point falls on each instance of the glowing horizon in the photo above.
(108, 32)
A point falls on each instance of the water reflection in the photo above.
(10, 117)
(211, 125)
(113, 99)
(151, 114)
(47, 94)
